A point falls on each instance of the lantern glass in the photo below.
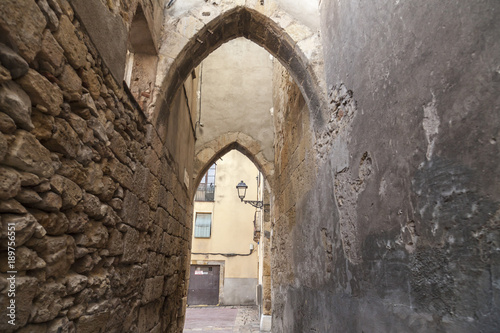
(242, 190)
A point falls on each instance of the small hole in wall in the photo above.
(493, 141)
(205, 13)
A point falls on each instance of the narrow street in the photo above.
(242, 319)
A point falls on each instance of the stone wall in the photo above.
(294, 175)
(101, 215)
(398, 229)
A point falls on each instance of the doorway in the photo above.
(204, 285)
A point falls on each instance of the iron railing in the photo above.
(205, 192)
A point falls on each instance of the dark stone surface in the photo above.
(100, 23)
(427, 217)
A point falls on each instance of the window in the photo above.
(206, 189)
(142, 58)
(203, 225)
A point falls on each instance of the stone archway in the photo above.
(209, 153)
(192, 36)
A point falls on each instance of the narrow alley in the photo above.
(211, 319)
(335, 164)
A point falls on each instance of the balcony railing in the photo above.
(205, 192)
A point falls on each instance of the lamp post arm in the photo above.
(256, 204)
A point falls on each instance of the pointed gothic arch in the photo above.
(209, 153)
(302, 60)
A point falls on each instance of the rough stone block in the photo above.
(115, 243)
(51, 56)
(64, 140)
(161, 218)
(98, 129)
(71, 84)
(54, 223)
(24, 225)
(58, 252)
(80, 126)
(127, 279)
(153, 288)
(42, 92)
(7, 124)
(92, 83)
(12, 206)
(119, 147)
(75, 283)
(119, 172)
(93, 207)
(76, 311)
(155, 264)
(155, 237)
(27, 154)
(84, 264)
(10, 183)
(39, 328)
(26, 259)
(134, 246)
(153, 188)
(74, 49)
(24, 34)
(95, 235)
(60, 325)
(43, 125)
(71, 193)
(93, 182)
(50, 16)
(135, 212)
(51, 202)
(16, 65)
(16, 104)
(4, 74)
(77, 220)
(95, 323)
(171, 284)
(26, 289)
(47, 304)
(149, 316)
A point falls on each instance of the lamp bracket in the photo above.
(256, 204)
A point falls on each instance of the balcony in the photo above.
(205, 192)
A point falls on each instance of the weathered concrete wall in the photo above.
(239, 291)
(399, 229)
(100, 209)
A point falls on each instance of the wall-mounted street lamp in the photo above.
(242, 191)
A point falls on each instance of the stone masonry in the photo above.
(102, 222)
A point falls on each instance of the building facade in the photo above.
(224, 254)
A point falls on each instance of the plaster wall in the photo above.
(232, 221)
(232, 231)
(239, 291)
(236, 94)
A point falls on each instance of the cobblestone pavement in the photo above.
(241, 319)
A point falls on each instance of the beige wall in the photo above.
(236, 94)
(232, 221)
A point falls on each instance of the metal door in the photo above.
(203, 285)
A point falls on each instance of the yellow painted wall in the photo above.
(232, 220)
